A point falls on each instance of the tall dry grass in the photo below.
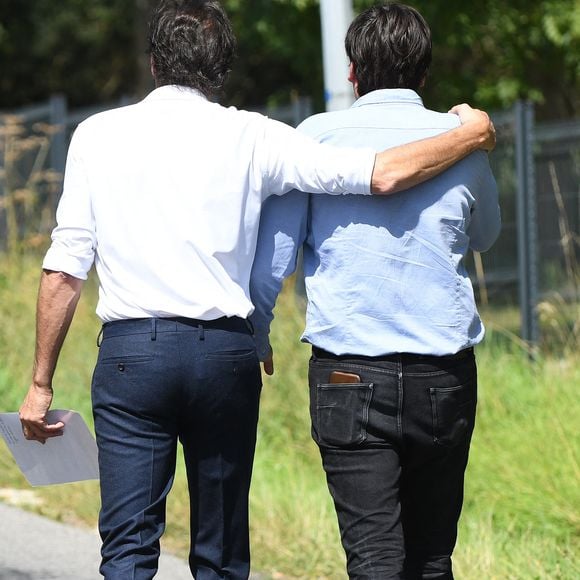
(28, 189)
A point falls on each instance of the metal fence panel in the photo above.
(537, 168)
(557, 164)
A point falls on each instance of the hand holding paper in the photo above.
(71, 457)
(33, 415)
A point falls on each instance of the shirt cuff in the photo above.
(264, 351)
(58, 260)
(365, 162)
(262, 340)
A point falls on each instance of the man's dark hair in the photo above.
(390, 48)
(192, 44)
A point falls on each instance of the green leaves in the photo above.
(488, 53)
(82, 49)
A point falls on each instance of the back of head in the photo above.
(191, 44)
(390, 47)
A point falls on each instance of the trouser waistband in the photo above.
(173, 324)
(403, 357)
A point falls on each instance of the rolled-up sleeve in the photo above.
(74, 238)
(291, 160)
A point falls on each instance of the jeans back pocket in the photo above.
(340, 413)
(453, 410)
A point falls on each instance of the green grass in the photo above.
(521, 516)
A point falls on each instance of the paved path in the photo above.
(36, 548)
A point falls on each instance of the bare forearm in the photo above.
(408, 165)
(57, 299)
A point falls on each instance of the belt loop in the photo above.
(100, 338)
(250, 326)
(201, 332)
(154, 329)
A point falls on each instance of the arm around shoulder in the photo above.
(408, 165)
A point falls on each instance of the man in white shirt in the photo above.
(164, 196)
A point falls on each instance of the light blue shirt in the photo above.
(383, 275)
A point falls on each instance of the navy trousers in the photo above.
(157, 382)
(394, 435)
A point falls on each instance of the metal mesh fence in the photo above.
(537, 168)
(557, 167)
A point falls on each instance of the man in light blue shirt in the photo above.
(391, 313)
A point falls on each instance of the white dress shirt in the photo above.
(165, 197)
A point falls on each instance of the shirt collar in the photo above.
(383, 96)
(173, 92)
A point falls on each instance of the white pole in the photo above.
(335, 17)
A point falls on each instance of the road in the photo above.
(36, 548)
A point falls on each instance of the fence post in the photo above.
(526, 222)
(58, 113)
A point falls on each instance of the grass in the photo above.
(521, 516)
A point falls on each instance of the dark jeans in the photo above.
(158, 381)
(394, 446)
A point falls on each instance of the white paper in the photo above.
(64, 459)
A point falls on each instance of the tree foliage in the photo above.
(279, 51)
(489, 53)
(82, 49)
(494, 52)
